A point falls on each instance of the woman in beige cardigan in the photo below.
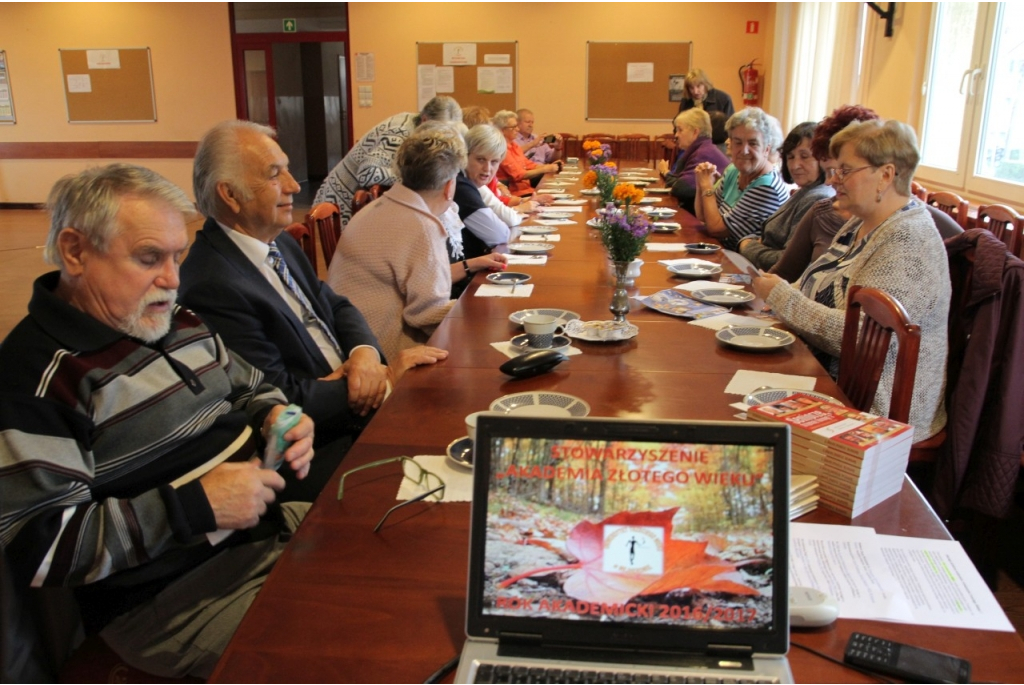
(392, 257)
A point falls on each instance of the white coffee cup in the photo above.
(471, 423)
(540, 330)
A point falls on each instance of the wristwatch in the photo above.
(709, 192)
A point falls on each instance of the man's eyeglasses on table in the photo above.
(410, 471)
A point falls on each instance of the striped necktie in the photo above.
(277, 261)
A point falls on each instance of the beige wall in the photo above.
(894, 67)
(191, 55)
(552, 48)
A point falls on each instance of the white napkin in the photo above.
(506, 349)
(666, 247)
(458, 483)
(717, 323)
(549, 238)
(701, 285)
(687, 260)
(569, 202)
(555, 222)
(563, 207)
(516, 259)
(492, 290)
(745, 382)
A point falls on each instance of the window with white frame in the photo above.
(972, 132)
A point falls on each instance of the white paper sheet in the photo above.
(458, 483)
(517, 259)
(506, 349)
(700, 285)
(717, 323)
(745, 382)
(550, 238)
(492, 290)
(667, 247)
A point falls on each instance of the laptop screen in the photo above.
(639, 529)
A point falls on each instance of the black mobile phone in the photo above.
(549, 139)
(913, 664)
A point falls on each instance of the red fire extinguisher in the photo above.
(750, 83)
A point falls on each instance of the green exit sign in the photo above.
(290, 25)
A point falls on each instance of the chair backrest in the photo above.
(634, 146)
(570, 145)
(951, 204)
(663, 146)
(601, 138)
(360, 199)
(1004, 223)
(866, 344)
(325, 220)
(306, 239)
(919, 191)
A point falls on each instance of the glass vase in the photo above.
(620, 298)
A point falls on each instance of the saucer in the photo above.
(508, 278)
(520, 344)
(702, 248)
(531, 248)
(460, 452)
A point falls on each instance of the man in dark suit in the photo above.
(252, 283)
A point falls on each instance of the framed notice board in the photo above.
(108, 85)
(482, 74)
(631, 80)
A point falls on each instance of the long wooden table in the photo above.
(345, 604)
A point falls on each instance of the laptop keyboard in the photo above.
(505, 673)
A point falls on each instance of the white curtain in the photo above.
(817, 56)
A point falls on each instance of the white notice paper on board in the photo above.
(444, 79)
(103, 59)
(497, 59)
(640, 72)
(459, 54)
(486, 79)
(79, 83)
(425, 89)
(503, 80)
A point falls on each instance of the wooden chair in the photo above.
(601, 138)
(634, 146)
(865, 346)
(306, 240)
(570, 145)
(951, 204)
(325, 220)
(663, 146)
(1004, 223)
(361, 198)
(919, 191)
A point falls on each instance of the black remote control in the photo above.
(913, 664)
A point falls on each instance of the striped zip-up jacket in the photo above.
(99, 435)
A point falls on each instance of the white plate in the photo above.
(727, 297)
(566, 203)
(590, 191)
(521, 344)
(548, 214)
(559, 196)
(702, 248)
(541, 404)
(648, 200)
(531, 248)
(594, 223)
(508, 278)
(601, 331)
(695, 270)
(460, 453)
(538, 230)
(658, 191)
(755, 338)
(563, 315)
(659, 211)
(665, 227)
(764, 395)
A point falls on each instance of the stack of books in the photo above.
(803, 495)
(859, 458)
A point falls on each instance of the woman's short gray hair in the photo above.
(502, 118)
(757, 119)
(488, 140)
(431, 157)
(697, 119)
(89, 202)
(218, 159)
(441, 108)
(880, 143)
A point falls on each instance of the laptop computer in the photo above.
(605, 550)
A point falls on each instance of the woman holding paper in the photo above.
(890, 244)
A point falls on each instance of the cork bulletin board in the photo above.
(111, 85)
(488, 55)
(612, 95)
